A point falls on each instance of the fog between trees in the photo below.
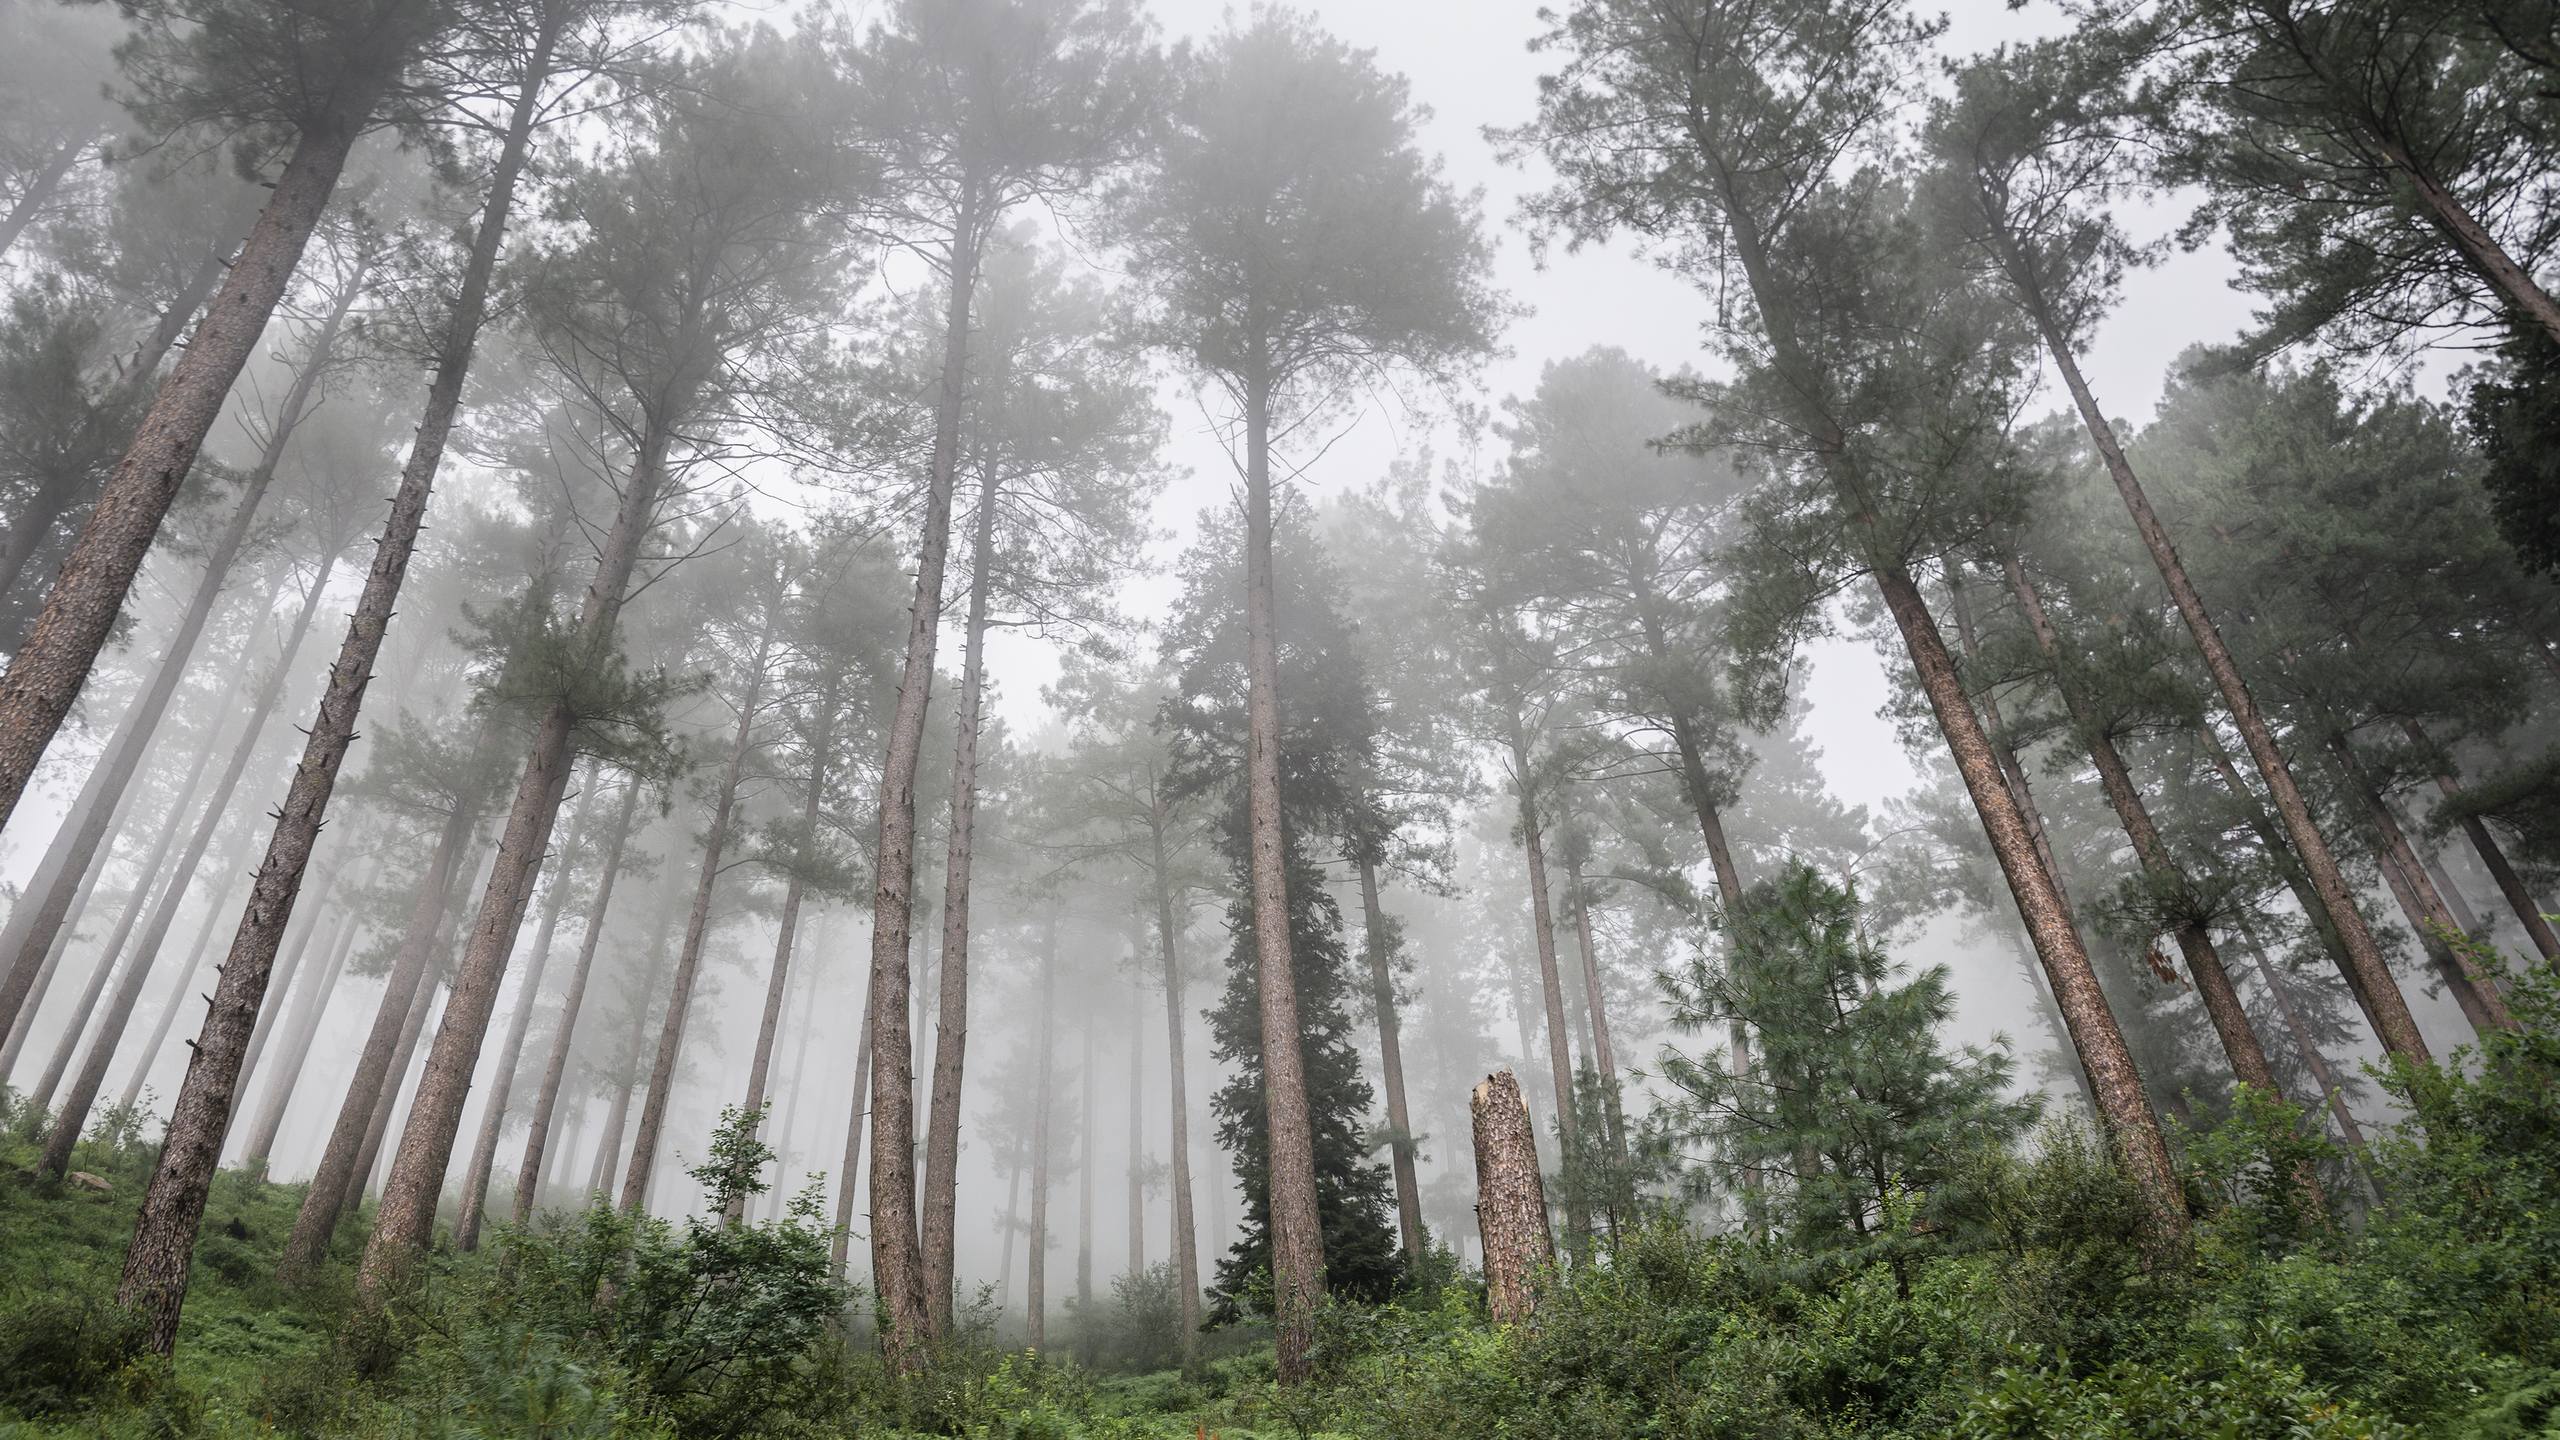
(1015, 590)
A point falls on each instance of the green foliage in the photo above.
(2253, 1398)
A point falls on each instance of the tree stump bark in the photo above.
(1511, 1202)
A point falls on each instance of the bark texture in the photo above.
(1511, 1203)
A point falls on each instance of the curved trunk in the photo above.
(572, 1002)
(950, 1042)
(173, 1207)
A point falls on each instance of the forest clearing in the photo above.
(1135, 719)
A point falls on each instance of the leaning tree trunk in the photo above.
(1297, 1233)
(378, 1124)
(183, 979)
(45, 973)
(93, 1070)
(2473, 989)
(412, 969)
(1577, 1218)
(2493, 857)
(40, 189)
(897, 1260)
(547, 1102)
(1186, 1248)
(164, 1237)
(293, 978)
(1036, 1273)
(493, 1115)
(45, 676)
(297, 1052)
(697, 929)
(406, 1219)
(2368, 974)
(1511, 1203)
(951, 1039)
(2221, 997)
(857, 1121)
(1382, 990)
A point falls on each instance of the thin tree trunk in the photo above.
(897, 1260)
(1012, 1222)
(291, 971)
(950, 1042)
(778, 980)
(1088, 1156)
(297, 1052)
(618, 1119)
(697, 929)
(1297, 1233)
(572, 1002)
(2493, 857)
(1137, 1133)
(493, 1116)
(1382, 991)
(76, 913)
(45, 676)
(164, 1236)
(1551, 986)
(2204, 962)
(406, 1220)
(2473, 989)
(378, 1123)
(2368, 974)
(2305, 1048)
(787, 1122)
(1036, 1276)
(412, 971)
(858, 1120)
(183, 980)
(1511, 1202)
(1186, 1247)
(1604, 1056)
(40, 187)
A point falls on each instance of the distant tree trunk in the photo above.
(778, 981)
(618, 1118)
(787, 1121)
(93, 1070)
(387, 1103)
(1511, 1202)
(412, 971)
(39, 192)
(164, 1237)
(1012, 1222)
(406, 1219)
(45, 676)
(2474, 990)
(1088, 1153)
(1186, 1246)
(897, 1261)
(572, 1003)
(493, 1115)
(1297, 1231)
(297, 1051)
(292, 980)
(77, 1024)
(1603, 1056)
(2305, 1048)
(2368, 974)
(182, 979)
(697, 929)
(2493, 858)
(1382, 991)
(1137, 1132)
(2204, 962)
(76, 913)
(951, 1040)
(1577, 1222)
(1044, 1089)
(856, 1122)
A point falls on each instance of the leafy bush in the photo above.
(62, 1353)
(2251, 1397)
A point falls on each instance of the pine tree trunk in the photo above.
(412, 971)
(164, 1236)
(493, 1114)
(1297, 1234)
(406, 1219)
(183, 980)
(378, 1124)
(40, 189)
(45, 676)
(2221, 998)
(1511, 1203)
(1577, 1218)
(1603, 1055)
(291, 972)
(297, 1052)
(2368, 974)
(1186, 1245)
(2493, 857)
(950, 1042)
(697, 930)
(1137, 1264)
(857, 1120)
(897, 1261)
(600, 1186)
(1012, 1222)
(77, 912)
(572, 1003)
(1036, 1276)
(2475, 991)
(1382, 991)
(777, 983)
(1088, 1154)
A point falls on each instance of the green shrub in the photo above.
(2249, 1397)
(64, 1353)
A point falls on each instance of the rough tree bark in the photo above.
(164, 1237)
(940, 1219)
(1511, 1203)
(546, 1103)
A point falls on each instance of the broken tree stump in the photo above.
(1511, 1201)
